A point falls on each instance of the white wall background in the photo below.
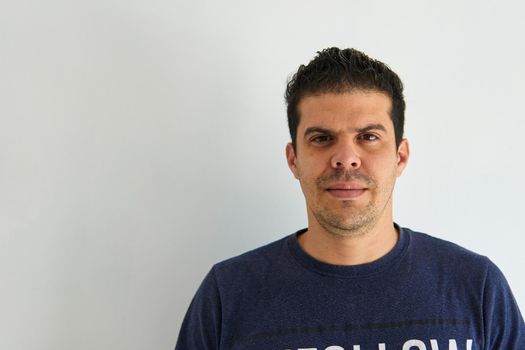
(142, 141)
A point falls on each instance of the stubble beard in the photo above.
(349, 221)
(356, 224)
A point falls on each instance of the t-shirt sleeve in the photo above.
(503, 323)
(201, 328)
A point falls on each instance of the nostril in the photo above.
(351, 163)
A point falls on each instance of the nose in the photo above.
(345, 157)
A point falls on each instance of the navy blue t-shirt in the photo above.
(426, 294)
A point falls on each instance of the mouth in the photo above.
(346, 190)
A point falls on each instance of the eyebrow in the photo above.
(367, 128)
(371, 127)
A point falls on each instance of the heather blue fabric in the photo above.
(426, 294)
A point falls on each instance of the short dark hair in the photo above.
(337, 71)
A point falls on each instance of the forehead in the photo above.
(353, 108)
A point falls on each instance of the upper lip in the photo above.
(346, 186)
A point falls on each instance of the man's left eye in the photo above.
(368, 137)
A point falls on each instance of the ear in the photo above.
(403, 153)
(291, 159)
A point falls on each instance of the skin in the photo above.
(347, 163)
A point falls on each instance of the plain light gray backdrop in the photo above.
(143, 141)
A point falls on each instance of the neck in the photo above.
(334, 249)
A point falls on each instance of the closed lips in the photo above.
(346, 190)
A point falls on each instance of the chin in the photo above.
(344, 224)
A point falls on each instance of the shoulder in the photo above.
(441, 248)
(255, 262)
(447, 257)
(266, 253)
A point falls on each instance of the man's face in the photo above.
(346, 160)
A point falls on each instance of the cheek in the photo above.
(307, 179)
(383, 169)
(310, 167)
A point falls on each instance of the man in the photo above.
(353, 279)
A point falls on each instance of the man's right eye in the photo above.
(320, 139)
